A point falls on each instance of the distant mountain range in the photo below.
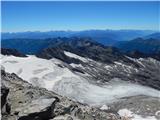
(148, 45)
(86, 47)
(106, 37)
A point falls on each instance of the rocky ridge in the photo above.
(22, 101)
(7, 51)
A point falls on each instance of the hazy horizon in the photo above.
(83, 30)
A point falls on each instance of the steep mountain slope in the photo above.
(14, 52)
(137, 54)
(147, 46)
(153, 36)
(26, 46)
(84, 47)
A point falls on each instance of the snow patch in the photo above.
(104, 107)
(132, 116)
(76, 65)
(72, 55)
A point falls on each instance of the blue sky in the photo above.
(44, 16)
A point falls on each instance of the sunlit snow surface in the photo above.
(72, 55)
(47, 74)
(40, 72)
(85, 92)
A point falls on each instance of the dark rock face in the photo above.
(4, 93)
(88, 48)
(14, 52)
(146, 46)
(57, 53)
(138, 54)
(144, 71)
(40, 109)
(84, 47)
(5, 106)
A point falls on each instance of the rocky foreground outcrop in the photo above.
(5, 107)
(21, 101)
